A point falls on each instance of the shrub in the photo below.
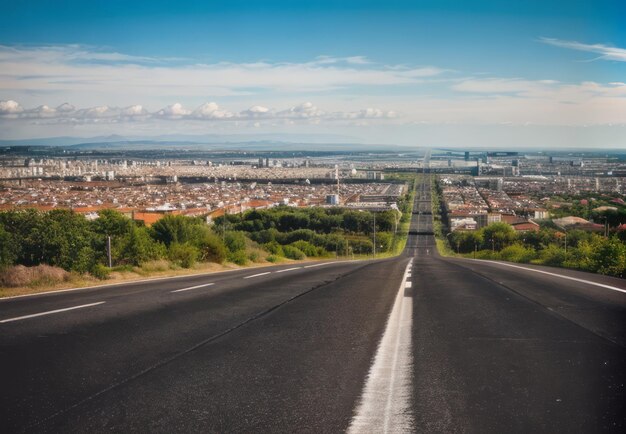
(307, 248)
(235, 241)
(100, 271)
(272, 258)
(211, 248)
(85, 260)
(239, 257)
(20, 275)
(517, 253)
(552, 255)
(184, 255)
(292, 252)
(274, 248)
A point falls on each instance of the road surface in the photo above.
(416, 343)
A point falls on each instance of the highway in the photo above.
(416, 343)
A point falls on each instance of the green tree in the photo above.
(138, 246)
(610, 256)
(184, 255)
(498, 236)
(8, 248)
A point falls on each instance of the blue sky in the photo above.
(393, 71)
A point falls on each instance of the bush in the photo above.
(517, 253)
(184, 255)
(552, 255)
(292, 252)
(235, 241)
(85, 260)
(211, 248)
(20, 275)
(272, 258)
(307, 248)
(100, 271)
(239, 257)
(274, 248)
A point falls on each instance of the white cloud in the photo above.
(174, 111)
(257, 111)
(134, 110)
(43, 111)
(211, 110)
(10, 107)
(304, 110)
(606, 52)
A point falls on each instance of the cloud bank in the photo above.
(210, 111)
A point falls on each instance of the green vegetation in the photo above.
(585, 206)
(73, 245)
(575, 249)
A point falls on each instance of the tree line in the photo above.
(571, 249)
(68, 240)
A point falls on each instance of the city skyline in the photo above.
(432, 73)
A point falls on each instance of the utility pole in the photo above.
(109, 251)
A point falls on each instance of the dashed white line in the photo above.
(193, 287)
(408, 284)
(50, 312)
(257, 275)
(589, 282)
(384, 406)
(319, 265)
(288, 269)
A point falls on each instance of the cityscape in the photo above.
(334, 216)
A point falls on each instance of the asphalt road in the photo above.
(414, 343)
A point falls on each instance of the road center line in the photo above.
(589, 282)
(385, 405)
(50, 312)
(288, 269)
(193, 287)
(319, 265)
(257, 275)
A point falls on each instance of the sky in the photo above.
(431, 72)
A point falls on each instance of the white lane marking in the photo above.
(589, 282)
(319, 265)
(288, 269)
(193, 287)
(408, 284)
(257, 275)
(50, 312)
(408, 275)
(384, 406)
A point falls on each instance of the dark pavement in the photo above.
(494, 349)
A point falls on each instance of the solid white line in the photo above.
(288, 269)
(319, 265)
(193, 287)
(257, 275)
(589, 282)
(384, 406)
(50, 312)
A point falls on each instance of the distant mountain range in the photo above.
(321, 142)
